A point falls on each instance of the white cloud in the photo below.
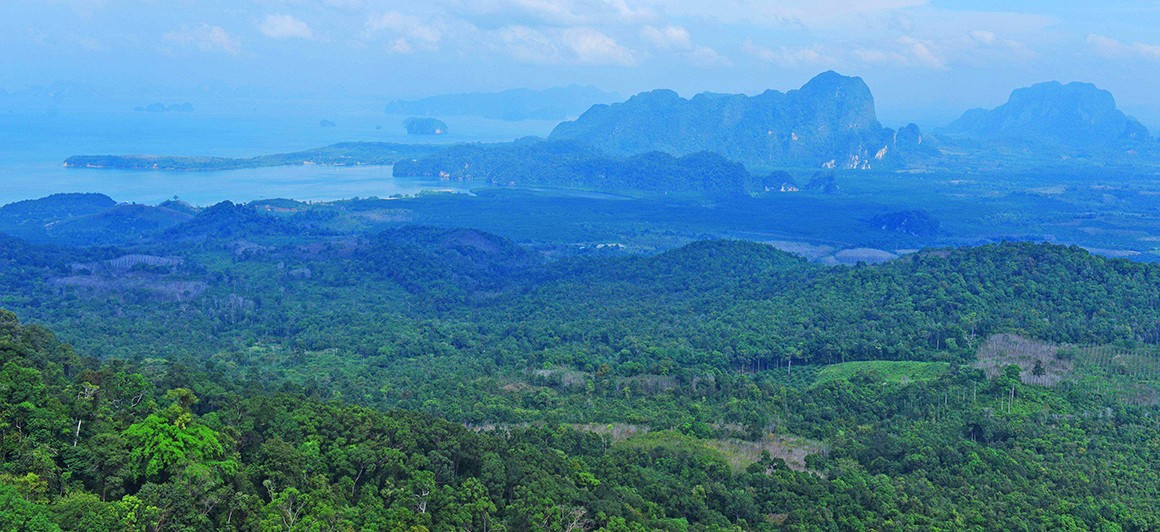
(976, 48)
(90, 44)
(677, 39)
(921, 53)
(278, 26)
(400, 46)
(409, 32)
(983, 37)
(785, 57)
(629, 14)
(583, 46)
(345, 5)
(558, 13)
(705, 57)
(917, 51)
(592, 47)
(667, 38)
(811, 14)
(878, 56)
(894, 33)
(900, 55)
(205, 38)
(528, 45)
(912, 52)
(977, 43)
(1109, 47)
(84, 8)
(550, 11)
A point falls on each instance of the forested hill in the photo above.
(606, 393)
(829, 121)
(725, 302)
(721, 303)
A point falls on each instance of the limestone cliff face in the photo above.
(829, 122)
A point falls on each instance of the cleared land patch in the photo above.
(738, 454)
(792, 449)
(1002, 350)
(1130, 372)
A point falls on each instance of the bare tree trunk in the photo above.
(354, 485)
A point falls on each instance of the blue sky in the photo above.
(926, 61)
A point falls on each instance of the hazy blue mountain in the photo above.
(779, 181)
(829, 122)
(1073, 114)
(918, 223)
(823, 182)
(515, 104)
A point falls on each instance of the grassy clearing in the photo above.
(885, 370)
(740, 453)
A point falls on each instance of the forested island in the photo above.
(342, 154)
(424, 126)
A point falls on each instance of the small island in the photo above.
(424, 126)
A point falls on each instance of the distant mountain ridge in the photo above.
(829, 122)
(515, 104)
(1073, 114)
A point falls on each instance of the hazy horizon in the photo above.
(926, 62)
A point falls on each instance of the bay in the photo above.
(34, 144)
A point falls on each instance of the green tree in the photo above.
(168, 439)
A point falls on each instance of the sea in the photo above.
(34, 142)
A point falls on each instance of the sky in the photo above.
(925, 61)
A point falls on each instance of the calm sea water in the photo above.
(33, 145)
